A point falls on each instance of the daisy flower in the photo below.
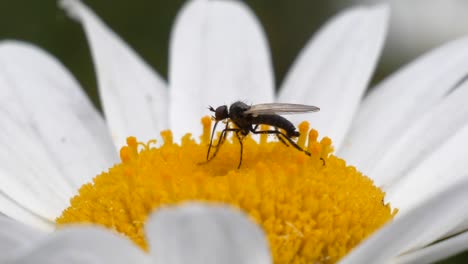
(407, 135)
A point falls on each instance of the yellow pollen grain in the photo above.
(313, 209)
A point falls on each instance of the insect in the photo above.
(247, 118)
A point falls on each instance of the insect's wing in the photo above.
(279, 108)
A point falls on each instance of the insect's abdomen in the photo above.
(276, 121)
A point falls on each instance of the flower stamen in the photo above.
(312, 208)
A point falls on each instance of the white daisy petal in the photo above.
(30, 175)
(400, 101)
(218, 54)
(196, 233)
(335, 67)
(423, 137)
(16, 211)
(134, 97)
(423, 225)
(15, 235)
(86, 244)
(446, 166)
(53, 139)
(438, 251)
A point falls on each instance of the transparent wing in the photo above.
(279, 108)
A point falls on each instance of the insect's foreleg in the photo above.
(211, 140)
(221, 136)
(220, 141)
(280, 134)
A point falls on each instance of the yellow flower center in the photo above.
(312, 208)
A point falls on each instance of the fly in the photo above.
(247, 118)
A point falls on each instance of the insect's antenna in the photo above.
(211, 139)
(211, 108)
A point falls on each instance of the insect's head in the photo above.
(221, 112)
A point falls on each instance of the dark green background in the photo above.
(146, 25)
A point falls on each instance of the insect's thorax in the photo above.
(236, 114)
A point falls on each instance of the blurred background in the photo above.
(416, 27)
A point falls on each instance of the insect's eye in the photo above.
(221, 112)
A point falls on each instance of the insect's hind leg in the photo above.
(277, 135)
(280, 134)
(281, 138)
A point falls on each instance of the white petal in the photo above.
(197, 233)
(218, 55)
(446, 166)
(335, 67)
(53, 139)
(133, 96)
(15, 235)
(438, 251)
(82, 245)
(401, 100)
(16, 211)
(418, 227)
(424, 136)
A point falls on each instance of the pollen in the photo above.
(313, 209)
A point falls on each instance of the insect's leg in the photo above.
(241, 148)
(254, 130)
(220, 141)
(280, 138)
(211, 140)
(281, 134)
(222, 136)
(295, 144)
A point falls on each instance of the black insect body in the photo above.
(248, 118)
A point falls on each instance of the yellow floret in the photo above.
(313, 209)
